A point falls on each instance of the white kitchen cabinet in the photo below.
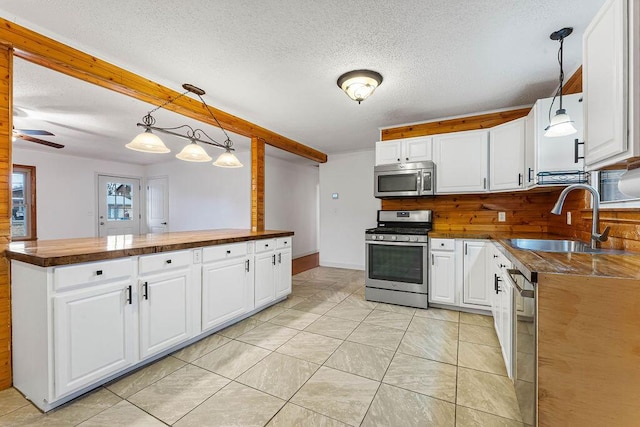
(165, 301)
(404, 150)
(530, 149)
(461, 160)
(93, 329)
(273, 270)
(505, 335)
(442, 283)
(283, 273)
(611, 83)
(475, 283)
(227, 284)
(506, 156)
(265, 280)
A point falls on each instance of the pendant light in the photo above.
(193, 153)
(227, 160)
(147, 142)
(561, 124)
(359, 84)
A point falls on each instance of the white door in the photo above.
(225, 286)
(265, 278)
(461, 160)
(506, 156)
(158, 204)
(118, 205)
(475, 287)
(283, 280)
(93, 332)
(442, 286)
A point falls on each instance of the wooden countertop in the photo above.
(47, 253)
(533, 263)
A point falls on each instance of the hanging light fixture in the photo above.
(561, 124)
(359, 84)
(148, 142)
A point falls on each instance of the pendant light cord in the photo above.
(228, 142)
(559, 91)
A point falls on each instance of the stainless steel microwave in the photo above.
(404, 180)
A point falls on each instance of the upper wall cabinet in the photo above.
(611, 84)
(506, 156)
(461, 160)
(403, 150)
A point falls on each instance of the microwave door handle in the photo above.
(419, 183)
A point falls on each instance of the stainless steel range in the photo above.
(397, 270)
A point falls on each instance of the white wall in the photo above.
(291, 202)
(203, 196)
(343, 220)
(66, 190)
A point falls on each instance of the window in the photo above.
(610, 196)
(23, 203)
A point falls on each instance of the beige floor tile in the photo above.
(291, 301)
(295, 319)
(294, 415)
(476, 319)
(268, 313)
(467, 417)
(396, 308)
(123, 414)
(337, 394)
(481, 358)
(175, 395)
(10, 400)
(304, 292)
(349, 311)
(234, 331)
(25, 416)
(331, 295)
(393, 406)
(144, 377)
(358, 300)
(439, 314)
(310, 347)
(200, 348)
(268, 335)
(234, 405)
(427, 325)
(486, 392)
(377, 336)
(232, 359)
(430, 346)
(332, 327)
(423, 376)
(79, 410)
(360, 359)
(478, 335)
(279, 375)
(389, 319)
(315, 306)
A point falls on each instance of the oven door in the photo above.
(397, 266)
(403, 183)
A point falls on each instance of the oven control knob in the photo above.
(394, 238)
(380, 237)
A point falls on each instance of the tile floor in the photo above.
(323, 357)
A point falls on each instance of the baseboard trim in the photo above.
(340, 265)
(304, 263)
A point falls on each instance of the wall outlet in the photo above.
(197, 256)
(502, 216)
(568, 218)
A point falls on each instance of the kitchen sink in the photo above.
(549, 245)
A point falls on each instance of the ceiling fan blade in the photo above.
(36, 132)
(40, 141)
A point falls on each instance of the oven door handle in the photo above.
(525, 293)
(391, 243)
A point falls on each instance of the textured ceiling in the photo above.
(275, 63)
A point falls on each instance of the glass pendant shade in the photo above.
(360, 84)
(227, 160)
(147, 142)
(560, 125)
(193, 153)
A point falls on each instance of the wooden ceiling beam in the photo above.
(42, 50)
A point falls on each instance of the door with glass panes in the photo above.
(118, 205)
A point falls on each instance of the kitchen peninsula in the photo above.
(88, 310)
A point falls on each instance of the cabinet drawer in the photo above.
(265, 245)
(91, 273)
(442, 244)
(283, 242)
(217, 253)
(164, 261)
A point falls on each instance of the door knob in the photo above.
(163, 223)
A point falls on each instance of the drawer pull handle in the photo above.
(99, 273)
(228, 252)
(280, 258)
(274, 259)
(266, 245)
(168, 261)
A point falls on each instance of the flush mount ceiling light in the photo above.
(148, 142)
(561, 124)
(359, 84)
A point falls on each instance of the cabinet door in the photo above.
(225, 289)
(506, 320)
(388, 152)
(530, 149)
(506, 156)
(461, 160)
(93, 334)
(442, 287)
(165, 311)
(475, 288)
(265, 291)
(417, 149)
(283, 279)
(605, 83)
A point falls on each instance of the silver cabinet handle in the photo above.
(280, 258)
(484, 183)
(274, 259)
(433, 262)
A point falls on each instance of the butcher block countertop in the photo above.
(48, 253)
(534, 263)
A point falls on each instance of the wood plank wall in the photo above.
(257, 184)
(6, 118)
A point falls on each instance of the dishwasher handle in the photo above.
(525, 293)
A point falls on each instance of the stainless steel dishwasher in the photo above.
(526, 329)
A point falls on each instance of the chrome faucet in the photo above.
(595, 201)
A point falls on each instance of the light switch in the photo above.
(568, 217)
(502, 216)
